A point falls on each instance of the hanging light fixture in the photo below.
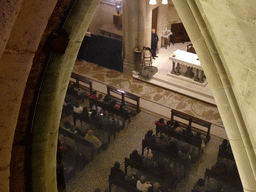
(165, 2)
(152, 2)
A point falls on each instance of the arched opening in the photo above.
(45, 140)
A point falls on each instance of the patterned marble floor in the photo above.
(149, 92)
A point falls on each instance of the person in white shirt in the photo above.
(78, 108)
(91, 138)
(143, 185)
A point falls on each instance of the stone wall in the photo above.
(231, 26)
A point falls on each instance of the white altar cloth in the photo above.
(186, 58)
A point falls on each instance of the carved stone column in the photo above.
(134, 26)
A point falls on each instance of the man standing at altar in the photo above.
(154, 41)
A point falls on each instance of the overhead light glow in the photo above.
(165, 2)
(152, 2)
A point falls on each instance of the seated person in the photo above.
(67, 125)
(156, 188)
(143, 185)
(173, 147)
(130, 177)
(117, 172)
(150, 137)
(161, 141)
(100, 97)
(219, 167)
(134, 156)
(150, 162)
(188, 132)
(81, 93)
(199, 186)
(77, 108)
(107, 100)
(128, 112)
(160, 122)
(176, 127)
(113, 104)
(107, 122)
(78, 131)
(91, 138)
(225, 147)
(93, 96)
(168, 125)
(184, 155)
(67, 107)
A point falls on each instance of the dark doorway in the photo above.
(154, 18)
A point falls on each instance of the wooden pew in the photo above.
(172, 181)
(187, 139)
(124, 95)
(77, 138)
(111, 109)
(191, 121)
(124, 185)
(163, 152)
(79, 78)
(224, 179)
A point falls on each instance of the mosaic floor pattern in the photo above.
(150, 92)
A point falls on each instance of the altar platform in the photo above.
(180, 84)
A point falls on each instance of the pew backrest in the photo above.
(123, 99)
(222, 178)
(80, 80)
(192, 122)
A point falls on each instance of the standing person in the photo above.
(154, 41)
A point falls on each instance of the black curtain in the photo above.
(102, 50)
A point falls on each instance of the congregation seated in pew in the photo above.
(134, 156)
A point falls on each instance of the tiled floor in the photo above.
(95, 174)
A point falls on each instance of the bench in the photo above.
(120, 183)
(187, 139)
(79, 87)
(77, 138)
(164, 152)
(191, 122)
(124, 95)
(224, 179)
(171, 180)
(79, 78)
(111, 109)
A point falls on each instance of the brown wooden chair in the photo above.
(190, 48)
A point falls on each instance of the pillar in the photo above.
(134, 26)
(222, 90)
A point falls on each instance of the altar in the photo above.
(190, 61)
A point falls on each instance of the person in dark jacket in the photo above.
(117, 172)
(154, 42)
(134, 156)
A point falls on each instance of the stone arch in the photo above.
(49, 106)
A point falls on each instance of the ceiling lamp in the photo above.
(152, 2)
(165, 2)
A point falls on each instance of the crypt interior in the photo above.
(35, 76)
